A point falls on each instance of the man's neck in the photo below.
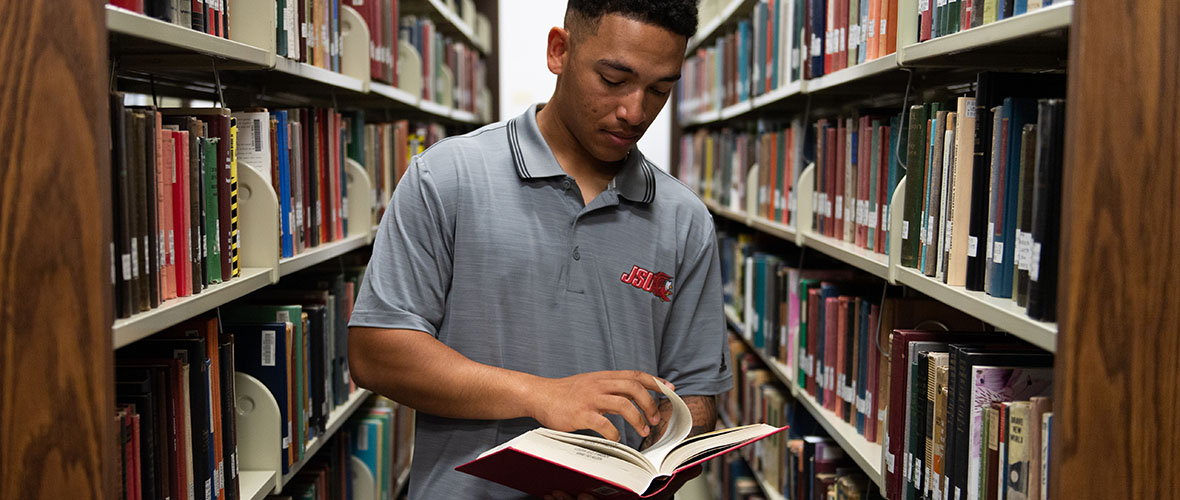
(592, 175)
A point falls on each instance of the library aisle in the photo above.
(945, 230)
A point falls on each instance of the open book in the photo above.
(543, 460)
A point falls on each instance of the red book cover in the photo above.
(864, 169)
(829, 204)
(831, 342)
(337, 178)
(968, 8)
(925, 11)
(891, 28)
(768, 85)
(814, 309)
(370, 11)
(132, 5)
(539, 476)
(305, 157)
(180, 215)
(873, 378)
(391, 43)
(842, 34)
(829, 36)
(842, 329)
(322, 175)
(838, 178)
(884, 196)
(165, 178)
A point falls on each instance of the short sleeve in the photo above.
(694, 354)
(409, 274)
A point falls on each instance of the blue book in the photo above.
(863, 352)
(743, 91)
(1020, 112)
(1019, 7)
(798, 44)
(895, 175)
(758, 336)
(818, 17)
(366, 446)
(929, 194)
(775, 55)
(260, 350)
(281, 138)
(864, 32)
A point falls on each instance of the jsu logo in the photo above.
(658, 284)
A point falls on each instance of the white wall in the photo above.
(525, 79)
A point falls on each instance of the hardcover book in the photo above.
(543, 460)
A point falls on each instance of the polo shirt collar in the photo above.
(533, 159)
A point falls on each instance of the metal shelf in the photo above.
(255, 484)
(873, 263)
(797, 87)
(167, 39)
(175, 311)
(336, 420)
(707, 30)
(867, 455)
(459, 25)
(1002, 313)
(1014, 29)
(322, 253)
(848, 75)
(320, 75)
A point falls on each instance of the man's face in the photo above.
(615, 81)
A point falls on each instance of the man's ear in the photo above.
(558, 50)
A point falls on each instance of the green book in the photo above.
(954, 11)
(212, 224)
(874, 181)
(282, 314)
(915, 172)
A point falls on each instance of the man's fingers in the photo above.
(622, 406)
(604, 427)
(631, 389)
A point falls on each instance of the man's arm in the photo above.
(704, 417)
(415, 369)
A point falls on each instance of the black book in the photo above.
(202, 210)
(151, 243)
(193, 352)
(165, 416)
(315, 167)
(1028, 148)
(121, 123)
(962, 358)
(915, 186)
(1042, 293)
(134, 387)
(138, 211)
(229, 430)
(990, 90)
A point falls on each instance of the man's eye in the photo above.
(610, 83)
(659, 92)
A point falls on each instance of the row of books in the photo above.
(940, 18)
(385, 150)
(174, 203)
(804, 463)
(467, 68)
(784, 41)
(857, 169)
(826, 330)
(327, 475)
(381, 16)
(207, 17)
(986, 171)
(383, 440)
(717, 164)
(179, 384)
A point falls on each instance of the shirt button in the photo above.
(566, 184)
(577, 256)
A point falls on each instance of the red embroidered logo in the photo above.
(659, 284)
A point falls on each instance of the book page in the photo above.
(602, 445)
(679, 425)
(704, 445)
(582, 458)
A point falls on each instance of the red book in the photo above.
(774, 185)
(132, 5)
(180, 215)
(837, 178)
(873, 377)
(842, 329)
(831, 342)
(925, 11)
(542, 461)
(814, 309)
(830, 37)
(768, 85)
(830, 182)
(337, 168)
(370, 11)
(884, 195)
(165, 178)
(305, 162)
(891, 28)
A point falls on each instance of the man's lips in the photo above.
(623, 137)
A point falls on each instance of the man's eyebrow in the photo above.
(618, 66)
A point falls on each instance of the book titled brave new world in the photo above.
(543, 460)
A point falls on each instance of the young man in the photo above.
(540, 271)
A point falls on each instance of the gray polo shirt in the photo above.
(488, 246)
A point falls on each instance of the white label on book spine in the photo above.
(842, 382)
(930, 230)
(283, 316)
(998, 253)
(868, 404)
(991, 238)
(923, 5)
(946, 240)
(956, 493)
(208, 490)
(1025, 250)
(854, 35)
(1034, 268)
(905, 230)
(917, 471)
(134, 258)
(792, 203)
(815, 48)
(884, 25)
(889, 462)
(839, 207)
(972, 246)
(908, 462)
(126, 267)
(268, 348)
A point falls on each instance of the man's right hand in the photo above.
(582, 401)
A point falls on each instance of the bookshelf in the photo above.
(712, 20)
(866, 455)
(335, 421)
(63, 277)
(450, 22)
(1034, 41)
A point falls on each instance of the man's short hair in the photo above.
(677, 16)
